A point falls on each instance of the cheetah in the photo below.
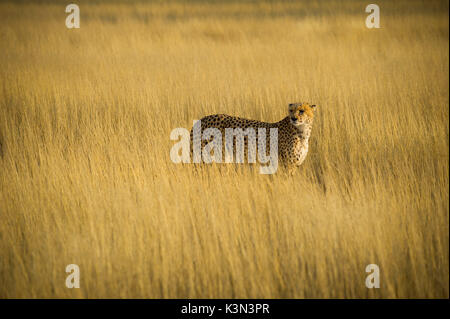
(293, 132)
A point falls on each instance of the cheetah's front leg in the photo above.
(288, 164)
(292, 169)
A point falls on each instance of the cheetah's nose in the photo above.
(294, 119)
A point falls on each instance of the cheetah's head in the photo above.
(301, 113)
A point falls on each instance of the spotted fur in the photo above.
(293, 132)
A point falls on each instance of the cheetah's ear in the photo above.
(313, 106)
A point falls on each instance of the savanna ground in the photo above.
(86, 177)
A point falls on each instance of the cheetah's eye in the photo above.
(301, 112)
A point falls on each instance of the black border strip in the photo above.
(278, 308)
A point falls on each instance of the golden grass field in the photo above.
(86, 177)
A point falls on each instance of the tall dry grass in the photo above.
(86, 178)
